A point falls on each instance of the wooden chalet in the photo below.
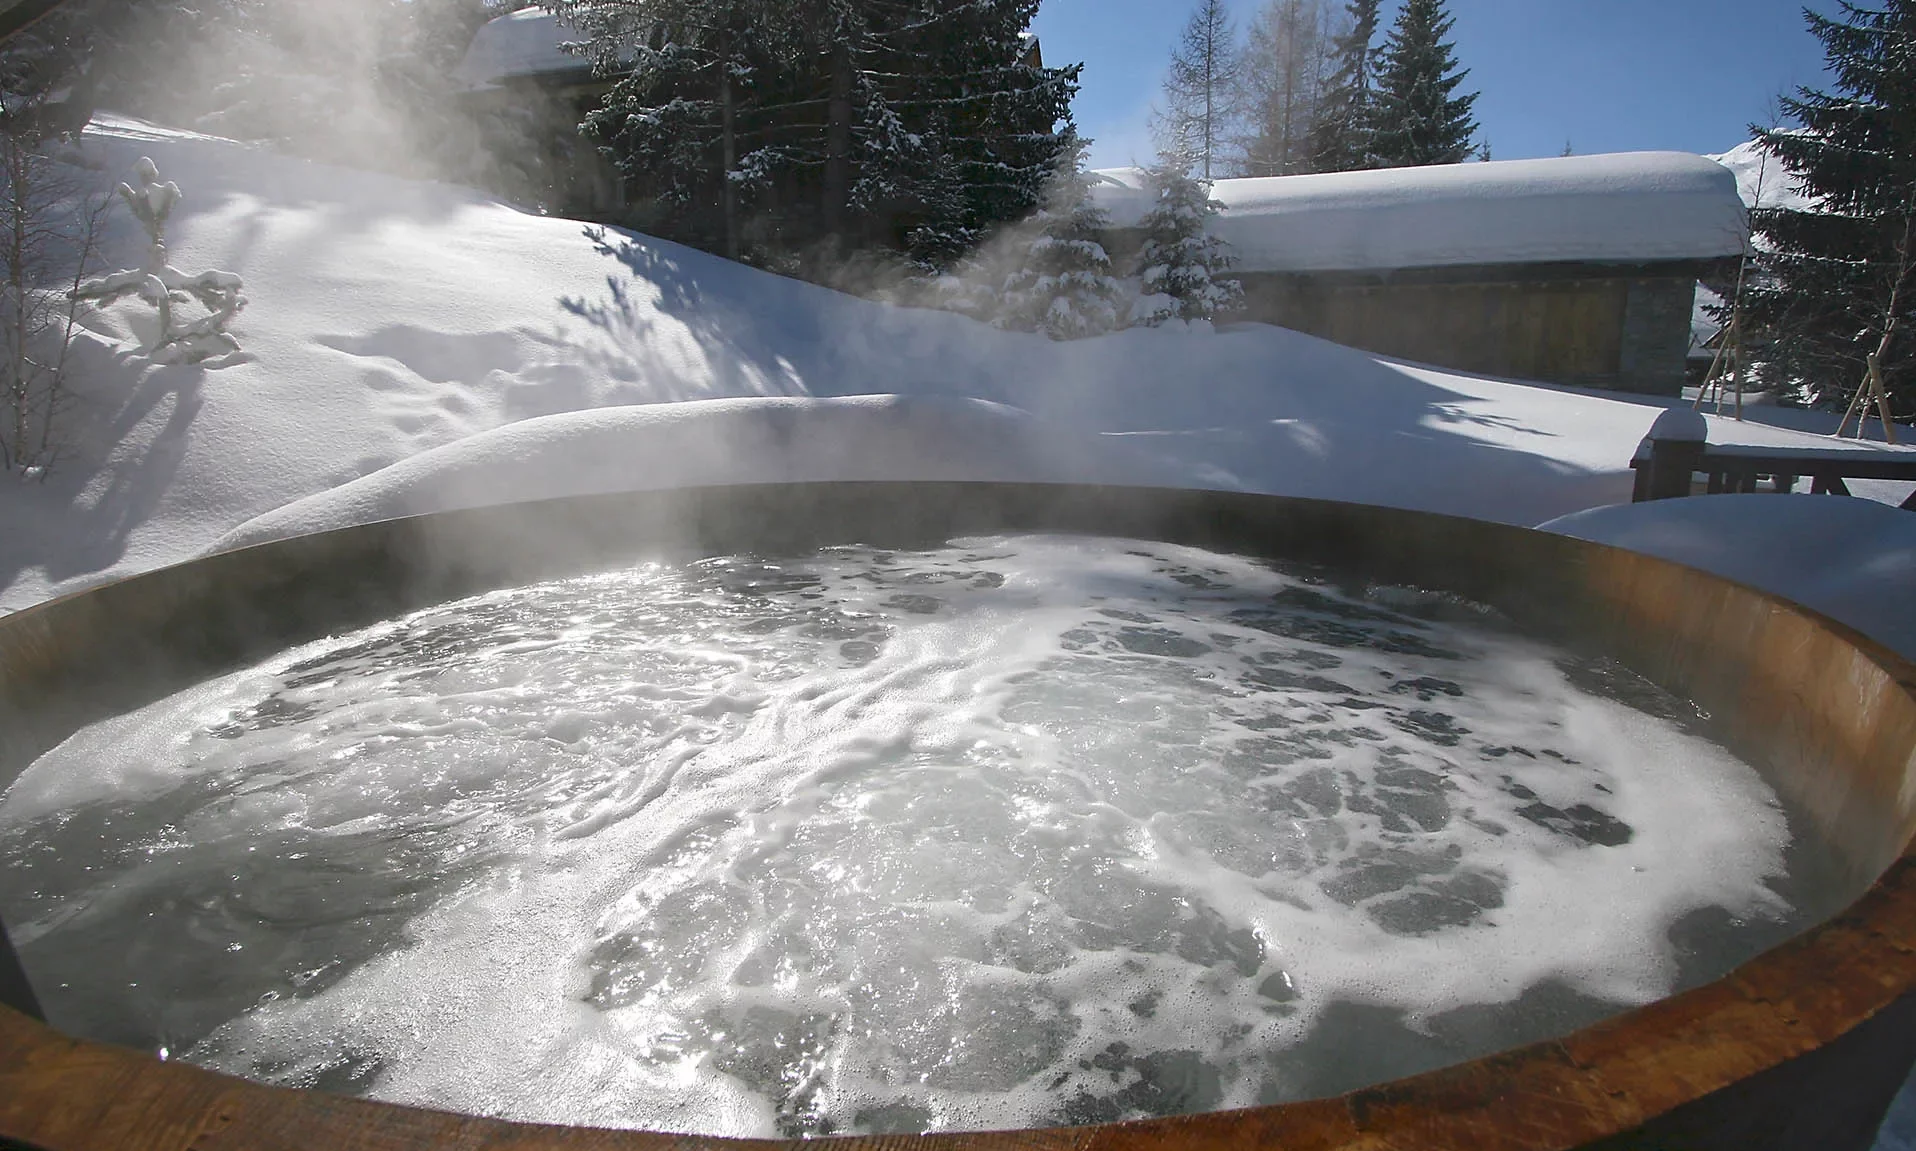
(1577, 270)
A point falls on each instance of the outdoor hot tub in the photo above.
(1802, 1046)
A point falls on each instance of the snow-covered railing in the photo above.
(1677, 449)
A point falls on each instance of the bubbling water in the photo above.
(1020, 831)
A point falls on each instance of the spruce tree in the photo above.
(841, 123)
(1178, 262)
(1834, 282)
(1417, 119)
(1200, 88)
(988, 113)
(1062, 284)
(944, 233)
(1341, 140)
(685, 121)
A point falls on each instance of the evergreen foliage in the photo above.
(1062, 283)
(1178, 262)
(1341, 136)
(1417, 118)
(1287, 70)
(1201, 88)
(946, 233)
(1834, 284)
(911, 124)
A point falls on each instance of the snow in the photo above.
(418, 346)
(748, 440)
(1761, 179)
(525, 43)
(1850, 559)
(1622, 207)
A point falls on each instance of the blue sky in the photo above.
(1604, 75)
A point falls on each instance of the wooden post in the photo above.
(1881, 392)
(1855, 402)
(1736, 366)
(1676, 442)
(1709, 377)
(1728, 359)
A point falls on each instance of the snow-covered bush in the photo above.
(162, 285)
(1062, 284)
(1178, 262)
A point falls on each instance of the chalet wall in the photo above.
(1606, 326)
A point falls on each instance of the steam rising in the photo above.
(363, 83)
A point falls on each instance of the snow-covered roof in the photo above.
(523, 43)
(1625, 207)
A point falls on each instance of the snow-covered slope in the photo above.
(1761, 180)
(392, 318)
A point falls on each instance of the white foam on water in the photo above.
(1019, 831)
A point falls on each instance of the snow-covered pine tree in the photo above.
(847, 118)
(943, 234)
(1201, 88)
(690, 120)
(1834, 284)
(1178, 263)
(977, 92)
(1062, 284)
(1417, 119)
(158, 283)
(1340, 141)
(1286, 62)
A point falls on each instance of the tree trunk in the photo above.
(17, 286)
(838, 142)
(728, 192)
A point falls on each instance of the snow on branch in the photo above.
(1178, 264)
(162, 285)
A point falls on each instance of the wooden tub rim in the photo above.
(57, 1092)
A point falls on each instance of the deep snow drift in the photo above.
(394, 320)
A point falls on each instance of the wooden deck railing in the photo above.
(1677, 449)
